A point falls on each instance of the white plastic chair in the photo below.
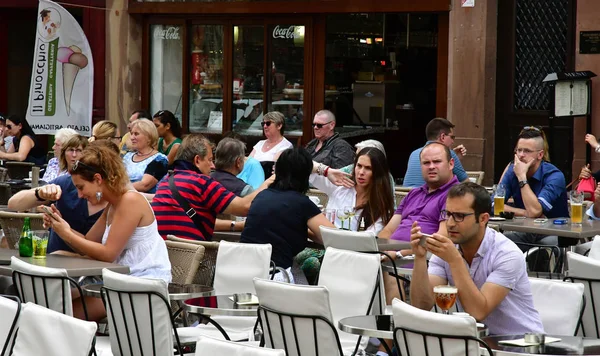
(10, 310)
(46, 332)
(48, 287)
(421, 332)
(586, 270)
(351, 278)
(560, 305)
(236, 266)
(297, 318)
(207, 346)
(595, 248)
(139, 315)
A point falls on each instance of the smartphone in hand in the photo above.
(48, 211)
(423, 239)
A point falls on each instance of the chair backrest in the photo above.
(12, 224)
(238, 263)
(595, 248)
(421, 332)
(297, 318)
(207, 346)
(18, 170)
(139, 315)
(10, 310)
(323, 198)
(45, 332)
(586, 270)
(185, 259)
(476, 176)
(48, 287)
(206, 270)
(548, 295)
(351, 278)
(399, 195)
(542, 260)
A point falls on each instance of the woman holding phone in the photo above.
(126, 233)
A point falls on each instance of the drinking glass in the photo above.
(349, 212)
(330, 215)
(39, 239)
(341, 214)
(576, 207)
(499, 199)
(445, 297)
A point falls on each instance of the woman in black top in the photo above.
(282, 215)
(25, 147)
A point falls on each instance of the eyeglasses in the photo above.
(73, 150)
(320, 126)
(78, 164)
(458, 217)
(525, 151)
(265, 123)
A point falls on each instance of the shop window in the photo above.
(248, 79)
(166, 58)
(206, 78)
(287, 75)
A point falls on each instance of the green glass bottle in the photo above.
(25, 242)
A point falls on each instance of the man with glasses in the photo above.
(536, 186)
(441, 131)
(488, 270)
(327, 147)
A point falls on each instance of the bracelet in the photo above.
(320, 169)
(399, 255)
(232, 225)
(597, 149)
(37, 194)
(325, 172)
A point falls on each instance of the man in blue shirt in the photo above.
(536, 186)
(441, 131)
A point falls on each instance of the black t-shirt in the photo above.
(281, 219)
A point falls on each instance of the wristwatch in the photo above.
(37, 194)
(399, 255)
(233, 226)
(523, 183)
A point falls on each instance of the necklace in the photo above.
(269, 145)
(144, 154)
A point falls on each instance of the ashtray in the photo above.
(507, 214)
(534, 338)
(242, 297)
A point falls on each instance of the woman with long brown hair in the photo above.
(370, 200)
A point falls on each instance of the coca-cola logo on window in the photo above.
(289, 32)
(169, 33)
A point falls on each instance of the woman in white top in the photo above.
(126, 233)
(273, 125)
(371, 196)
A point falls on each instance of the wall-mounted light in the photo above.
(299, 36)
(236, 34)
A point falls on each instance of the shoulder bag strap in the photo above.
(183, 202)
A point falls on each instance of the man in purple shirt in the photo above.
(485, 266)
(423, 204)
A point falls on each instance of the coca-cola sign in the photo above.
(169, 33)
(289, 32)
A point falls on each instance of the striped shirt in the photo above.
(204, 194)
(413, 176)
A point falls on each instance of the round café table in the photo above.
(219, 305)
(568, 345)
(177, 292)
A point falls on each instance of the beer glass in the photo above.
(576, 207)
(330, 215)
(39, 239)
(445, 297)
(499, 199)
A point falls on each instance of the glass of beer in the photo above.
(39, 239)
(576, 207)
(499, 199)
(445, 297)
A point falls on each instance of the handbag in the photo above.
(183, 202)
(587, 185)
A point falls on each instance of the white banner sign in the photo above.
(62, 79)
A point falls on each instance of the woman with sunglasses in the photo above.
(126, 233)
(25, 147)
(169, 131)
(105, 130)
(370, 199)
(268, 150)
(78, 212)
(53, 169)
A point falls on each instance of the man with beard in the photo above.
(486, 268)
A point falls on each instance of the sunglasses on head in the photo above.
(265, 123)
(78, 164)
(529, 128)
(320, 126)
(9, 126)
